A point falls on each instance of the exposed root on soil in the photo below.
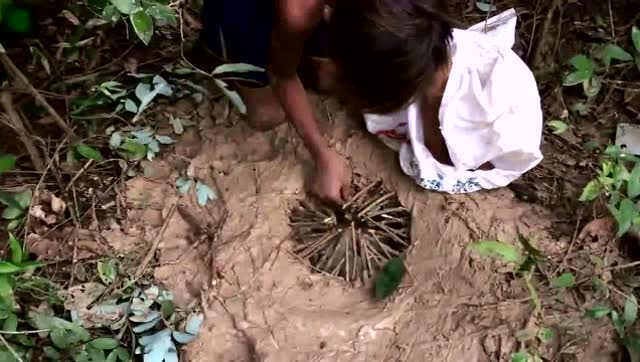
(354, 242)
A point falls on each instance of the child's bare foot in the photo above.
(263, 110)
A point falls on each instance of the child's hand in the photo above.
(332, 180)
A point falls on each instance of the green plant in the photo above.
(142, 14)
(16, 203)
(622, 324)
(204, 192)
(619, 180)
(523, 262)
(9, 308)
(389, 278)
(589, 73)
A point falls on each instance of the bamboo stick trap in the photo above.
(355, 241)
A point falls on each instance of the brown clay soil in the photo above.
(264, 304)
(232, 257)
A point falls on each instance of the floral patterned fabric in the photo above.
(490, 112)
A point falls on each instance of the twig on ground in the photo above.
(10, 349)
(533, 29)
(74, 260)
(17, 124)
(613, 28)
(17, 74)
(156, 242)
(77, 175)
(24, 332)
(44, 173)
(542, 37)
(566, 255)
(622, 266)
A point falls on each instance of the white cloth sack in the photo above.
(490, 112)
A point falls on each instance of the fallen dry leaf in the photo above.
(39, 214)
(58, 206)
(602, 229)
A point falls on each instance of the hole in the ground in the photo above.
(357, 240)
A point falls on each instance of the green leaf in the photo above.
(143, 25)
(624, 215)
(11, 323)
(582, 62)
(612, 51)
(167, 308)
(130, 106)
(576, 77)
(635, 37)
(7, 162)
(597, 312)
(194, 322)
(13, 224)
(580, 108)
(389, 278)
(520, 357)
(546, 335)
(104, 343)
(498, 250)
(165, 140)
(11, 213)
(236, 68)
(597, 261)
(633, 186)
(8, 268)
(183, 185)
(95, 354)
(557, 126)
(565, 280)
(204, 193)
(630, 310)
(162, 14)
(125, 6)
(618, 323)
(178, 125)
(107, 271)
(592, 86)
(52, 353)
(119, 354)
(525, 335)
(16, 249)
(233, 96)
(115, 140)
(591, 191)
(60, 338)
(89, 152)
(6, 356)
(6, 286)
(133, 149)
(23, 198)
(110, 13)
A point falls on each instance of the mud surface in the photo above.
(263, 303)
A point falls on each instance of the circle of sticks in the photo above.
(355, 241)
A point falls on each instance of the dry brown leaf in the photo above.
(602, 229)
(58, 206)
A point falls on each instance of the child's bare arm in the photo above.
(295, 21)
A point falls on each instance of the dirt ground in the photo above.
(232, 258)
(264, 304)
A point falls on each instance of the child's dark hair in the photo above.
(386, 50)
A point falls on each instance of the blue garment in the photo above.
(241, 30)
